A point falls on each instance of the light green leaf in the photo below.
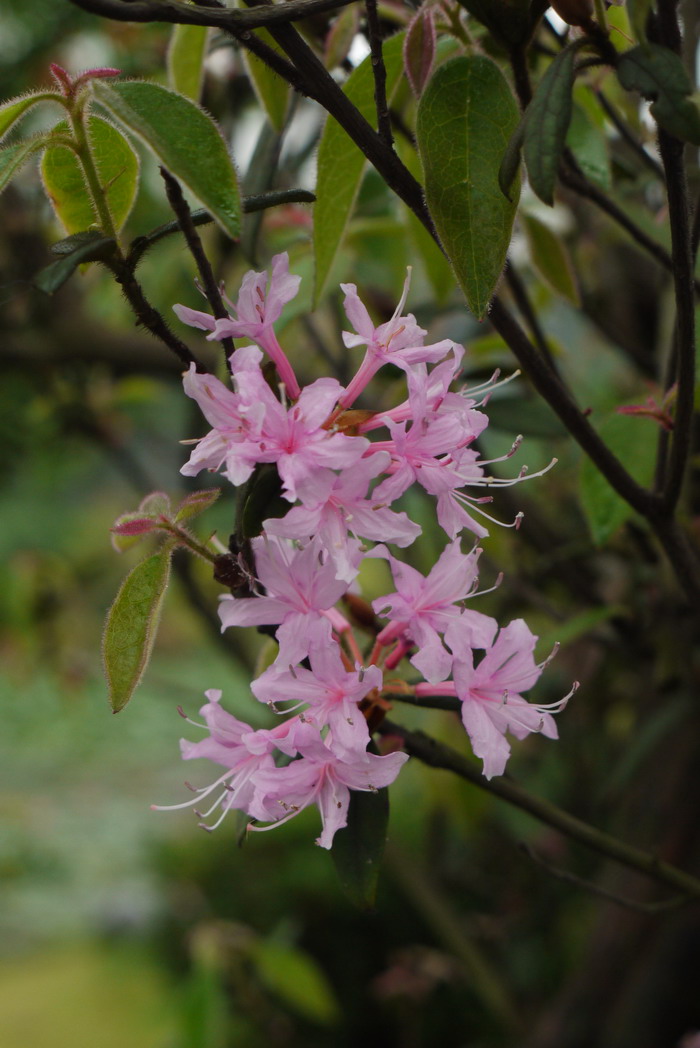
(551, 258)
(359, 847)
(341, 164)
(195, 503)
(296, 979)
(588, 144)
(633, 440)
(187, 50)
(83, 247)
(546, 123)
(117, 168)
(185, 140)
(466, 117)
(13, 158)
(131, 626)
(271, 90)
(14, 110)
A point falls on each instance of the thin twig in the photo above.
(627, 134)
(522, 301)
(209, 285)
(379, 73)
(437, 755)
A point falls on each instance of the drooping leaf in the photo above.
(195, 503)
(638, 11)
(633, 440)
(340, 36)
(13, 158)
(512, 22)
(589, 146)
(658, 74)
(546, 124)
(465, 119)
(271, 90)
(15, 108)
(185, 140)
(341, 164)
(64, 181)
(358, 848)
(551, 258)
(131, 626)
(187, 50)
(90, 246)
(419, 50)
(296, 979)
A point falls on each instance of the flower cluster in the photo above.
(341, 470)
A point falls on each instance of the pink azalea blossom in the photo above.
(426, 606)
(492, 703)
(330, 692)
(324, 778)
(300, 587)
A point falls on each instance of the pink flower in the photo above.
(399, 341)
(426, 606)
(300, 587)
(330, 692)
(335, 506)
(492, 703)
(320, 776)
(259, 305)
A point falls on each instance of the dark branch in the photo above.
(378, 72)
(219, 17)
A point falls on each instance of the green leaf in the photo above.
(531, 417)
(341, 164)
(271, 90)
(187, 50)
(358, 848)
(64, 181)
(85, 247)
(658, 74)
(14, 110)
(546, 124)
(131, 626)
(340, 36)
(438, 270)
(259, 499)
(511, 21)
(551, 258)
(465, 119)
(296, 979)
(195, 503)
(13, 158)
(633, 440)
(637, 12)
(185, 140)
(589, 146)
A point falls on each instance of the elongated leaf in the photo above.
(437, 268)
(638, 11)
(296, 979)
(14, 110)
(550, 258)
(13, 158)
(340, 36)
(87, 247)
(588, 144)
(658, 74)
(64, 181)
(465, 118)
(511, 21)
(546, 124)
(271, 89)
(131, 626)
(633, 440)
(341, 164)
(358, 848)
(195, 503)
(187, 50)
(419, 50)
(184, 138)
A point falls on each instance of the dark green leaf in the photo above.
(187, 50)
(511, 21)
(465, 119)
(510, 162)
(131, 626)
(89, 247)
(117, 169)
(658, 74)
(259, 499)
(358, 848)
(341, 164)
(546, 124)
(13, 158)
(185, 140)
(637, 12)
(633, 440)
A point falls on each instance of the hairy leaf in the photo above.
(358, 848)
(64, 181)
(14, 110)
(658, 74)
(131, 626)
(13, 158)
(546, 124)
(341, 164)
(195, 503)
(185, 140)
(187, 50)
(419, 50)
(465, 119)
